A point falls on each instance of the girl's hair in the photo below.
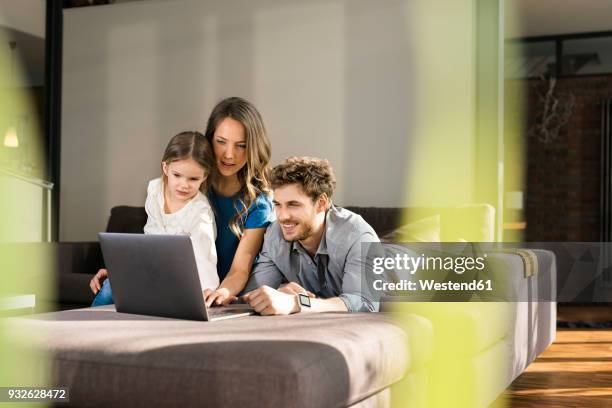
(190, 145)
(254, 175)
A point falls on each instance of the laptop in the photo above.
(157, 275)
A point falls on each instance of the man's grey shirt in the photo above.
(337, 266)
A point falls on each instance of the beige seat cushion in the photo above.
(424, 230)
(472, 223)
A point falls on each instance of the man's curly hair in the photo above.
(315, 176)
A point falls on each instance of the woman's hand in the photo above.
(237, 278)
(219, 297)
(96, 282)
(293, 288)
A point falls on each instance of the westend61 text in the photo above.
(431, 285)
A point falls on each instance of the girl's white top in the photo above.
(195, 219)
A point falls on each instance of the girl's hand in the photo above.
(219, 297)
(96, 282)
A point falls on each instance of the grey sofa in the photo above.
(78, 261)
(426, 354)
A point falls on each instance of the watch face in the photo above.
(304, 300)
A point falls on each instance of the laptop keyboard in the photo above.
(214, 312)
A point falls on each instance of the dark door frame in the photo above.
(53, 104)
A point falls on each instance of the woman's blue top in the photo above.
(259, 215)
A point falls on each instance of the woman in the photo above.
(239, 193)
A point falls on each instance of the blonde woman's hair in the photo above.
(253, 176)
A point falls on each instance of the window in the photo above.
(579, 54)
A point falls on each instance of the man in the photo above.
(311, 257)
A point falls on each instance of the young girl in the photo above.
(175, 205)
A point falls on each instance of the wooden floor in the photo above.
(575, 371)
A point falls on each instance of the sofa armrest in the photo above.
(77, 262)
(57, 273)
(79, 257)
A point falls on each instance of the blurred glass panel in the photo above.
(22, 67)
(587, 56)
(530, 59)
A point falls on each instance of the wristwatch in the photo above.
(304, 300)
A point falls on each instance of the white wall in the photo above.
(329, 78)
(27, 16)
(332, 78)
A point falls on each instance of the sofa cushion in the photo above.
(383, 220)
(114, 359)
(127, 219)
(423, 230)
(472, 223)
